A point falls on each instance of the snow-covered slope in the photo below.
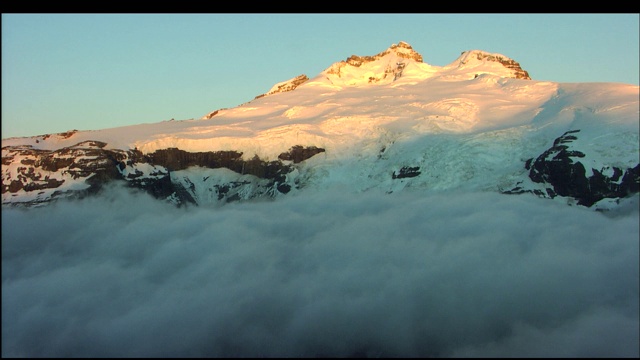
(388, 121)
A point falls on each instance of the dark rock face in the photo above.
(406, 172)
(299, 153)
(175, 159)
(95, 166)
(560, 169)
(557, 167)
(79, 161)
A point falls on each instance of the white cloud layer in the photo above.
(320, 274)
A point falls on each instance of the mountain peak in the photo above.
(477, 58)
(382, 68)
(401, 50)
(402, 61)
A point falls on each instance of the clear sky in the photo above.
(97, 71)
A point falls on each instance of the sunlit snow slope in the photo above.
(388, 122)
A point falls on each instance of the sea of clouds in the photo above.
(321, 274)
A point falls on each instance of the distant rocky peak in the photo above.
(390, 65)
(382, 68)
(477, 57)
(401, 49)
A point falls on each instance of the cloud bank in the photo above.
(320, 274)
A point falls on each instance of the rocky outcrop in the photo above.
(406, 172)
(175, 159)
(402, 49)
(519, 73)
(285, 86)
(561, 173)
(212, 114)
(475, 56)
(83, 169)
(393, 69)
(43, 169)
(299, 153)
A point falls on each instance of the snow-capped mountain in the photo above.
(388, 121)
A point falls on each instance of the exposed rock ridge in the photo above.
(399, 49)
(393, 70)
(285, 86)
(560, 173)
(84, 168)
(510, 64)
(212, 114)
(44, 169)
(379, 72)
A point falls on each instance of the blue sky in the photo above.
(96, 71)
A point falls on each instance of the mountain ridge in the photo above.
(400, 52)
